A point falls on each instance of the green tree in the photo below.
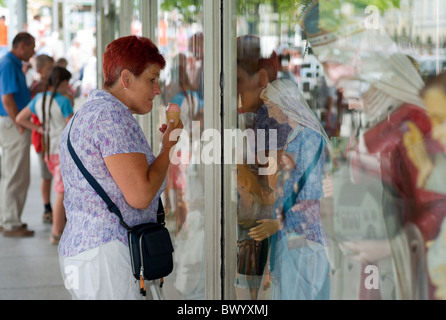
(184, 8)
(288, 10)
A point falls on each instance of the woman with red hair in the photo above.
(255, 70)
(93, 250)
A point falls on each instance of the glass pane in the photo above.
(349, 75)
(72, 44)
(281, 241)
(180, 39)
(136, 24)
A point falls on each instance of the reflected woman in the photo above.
(254, 71)
(299, 265)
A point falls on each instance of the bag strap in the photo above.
(291, 200)
(100, 191)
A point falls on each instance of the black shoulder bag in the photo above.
(150, 245)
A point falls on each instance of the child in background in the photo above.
(62, 62)
(44, 64)
(54, 110)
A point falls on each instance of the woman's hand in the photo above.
(139, 182)
(171, 134)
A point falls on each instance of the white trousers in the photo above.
(103, 273)
(15, 173)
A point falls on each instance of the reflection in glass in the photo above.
(255, 192)
(180, 39)
(360, 69)
(299, 264)
(136, 25)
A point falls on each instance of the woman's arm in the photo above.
(138, 181)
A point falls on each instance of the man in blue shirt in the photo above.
(14, 139)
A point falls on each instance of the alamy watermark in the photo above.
(373, 20)
(238, 147)
(371, 282)
(71, 277)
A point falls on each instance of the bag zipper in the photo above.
(142, 288)
(131, 252)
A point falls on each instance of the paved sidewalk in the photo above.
(29, 267)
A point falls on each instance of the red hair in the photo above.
(250, 59)
(133, 53)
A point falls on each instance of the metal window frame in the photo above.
(229, 118)
(212, 120)
(211, 13)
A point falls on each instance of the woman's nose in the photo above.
(157, 89)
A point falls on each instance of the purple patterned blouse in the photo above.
(102, 127)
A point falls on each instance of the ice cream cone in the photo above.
(173, 111)
(175, 115)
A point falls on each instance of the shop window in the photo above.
(179, 36)
(343, 67)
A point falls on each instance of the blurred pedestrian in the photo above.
(14, 139)
(44, 64)
(53, 111)
(3, 37)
